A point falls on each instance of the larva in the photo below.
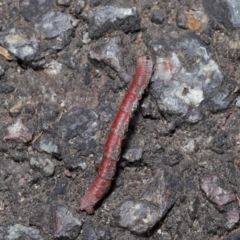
(112, 150)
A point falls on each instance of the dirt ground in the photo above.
(64, 69)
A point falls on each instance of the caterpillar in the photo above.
(112, 149)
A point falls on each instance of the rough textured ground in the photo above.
(64, 68)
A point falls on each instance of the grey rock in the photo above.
(221, 142)
(61, 187)
(173, 159)
(86, 73)
(64, 2)
(18, 131)
(238, 102)
(137, 216)
(2, 232)
(54, 24)
(133, 154)
(16, 108)
(18, 231)
(20, 43)
(195, 115)
(194, 207)
(180, 91)
(75, 162)
(80, 126)
(77, 7)
(68, 60)
(222, 99)
(47, 145)
(157, 148)
(2, 66)
(218, 195)
(34, 9)
(86, 39)
(181, 19)
(157, 17)
(142, 215)
(110, 54)
(149, 108)
(225, 11)
(67, 226)
(6, 88)
(74, 120)
(162, 192)
(14, 15)
(45, 165)
(134, 150)
(232, 218)
(89, 233)
(103, 234)
(235, 235)
(107, 19)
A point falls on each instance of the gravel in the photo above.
(64, 68)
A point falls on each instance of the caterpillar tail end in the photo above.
(86, 205)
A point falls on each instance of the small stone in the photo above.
(6, 88)
(110, 54)
(2, 71)
(189, 147)
(142, 215)
(16, 109)
(68, 59)
(220, 196)
(45, 165)
(86, 39)
(222, 99)
(67, 173)
(2, 64)
(180, 91)
(221, 142)
(225, 11)
(21, 44)
(86, 73)
(234, 235)
(133, 154)
(157, 17)
(19, 231)
(181, 20)
(65, 3)
(54, 24)
(79, 127)
(53, 68)
(158, 148)
(195, 115)
(18, 131)
(238, 102)
(138, 217)
(89, 231)
(47, 145)
(33, 9)
(149, 108)
(77, 7)
(66, 226)
(232, 218)
(74, 162)
(107, 19)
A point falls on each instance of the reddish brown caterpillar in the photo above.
(112, 150)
